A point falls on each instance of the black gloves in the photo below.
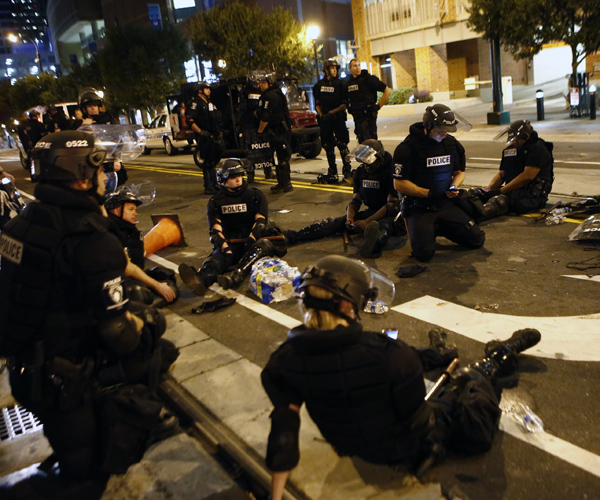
(436, 194)
(488, 195)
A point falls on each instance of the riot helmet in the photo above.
(265, 76)
(89, 96)
(330, 63)
(520, 129)
(200, 86)
(369, 152)
(66, 156)
(347, 279)
(230, 168)
(120, 197)
(441, 117)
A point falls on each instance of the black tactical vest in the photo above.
(237, 212)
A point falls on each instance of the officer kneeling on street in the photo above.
(526, 173)
(329, 361)
(429, 169)
(373, 186)
(237, 218)
(66, 319)
(122, 212)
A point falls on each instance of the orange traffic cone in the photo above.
(167, 231)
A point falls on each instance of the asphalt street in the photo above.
(522, 277)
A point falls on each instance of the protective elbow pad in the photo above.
(283, 453)
(259, 228)
(119, 334)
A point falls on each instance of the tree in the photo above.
(524, 27)
(141, 65)
(248, 38)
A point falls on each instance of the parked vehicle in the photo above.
(164, 132)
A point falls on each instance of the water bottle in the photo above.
(531, 422)
(559, 211)
(554, 219)
(375, 307)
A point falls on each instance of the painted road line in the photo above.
(569, 162)
(573, 338)
(564, 450)
(582, 277)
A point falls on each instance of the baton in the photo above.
(442, 380)
(547, 212)
(346, 242)
(243, 240)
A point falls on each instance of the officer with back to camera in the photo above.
(275, 122)
(373, 186)
(525, 176)
(429, 169)
(328, 363)
(63, 307)
(239, 213)
(331, 102)
(256, 148)
(362, 100)
(204, 119)
(122, 212)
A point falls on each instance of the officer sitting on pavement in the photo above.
(331, 101)
(203, 118)
(373, 186)
(365, 391)
(526, 173)
(122, 211)
(237, 218)
(429, 169)
(66, 317)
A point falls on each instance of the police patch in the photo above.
(327, 89)
(254, 96)
(397, 169)
(11, 249)
(438, 161)
(370, 184)
(510, 152)
(114, 293)
(353, 88)
(234, 209)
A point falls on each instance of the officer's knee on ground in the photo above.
(423, 254)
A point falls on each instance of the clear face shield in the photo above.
(121, 142)
(508, 136)
(452, 121)
(363, 154)
(382, 286)
(144, 191)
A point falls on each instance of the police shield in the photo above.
(260, 152)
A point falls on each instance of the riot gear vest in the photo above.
(236, 211)
(534, 153)
(374, 187)
(249, 103)
(360, 388)
(273, 109)
(362, 91)
(329, 94)
(427, 163)
(204, 114)
(131, 237)
(43, 285)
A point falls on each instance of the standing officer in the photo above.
(274, 116)
(237, 213)
(258, 151)
(526, 173)
(331, 102)
(203, 118)
(90, 103)
(37, 129)
(429, 169)
(365, 391)
(362, 100)
(62, 300)
(122, 212)
(373, 186)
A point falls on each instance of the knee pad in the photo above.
(140, 293)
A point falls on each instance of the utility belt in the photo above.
(359, 109)
(539, 187)
(413, 205)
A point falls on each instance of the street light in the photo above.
(312, 32)
(14, 39)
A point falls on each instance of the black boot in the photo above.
(208, 186)
(438, 340)
(190, 277)
(277, 188)
(370, 237)
(315, 231)
(233, 279)
(286, 177)
(268, 172)
(213, 178)
(332, 170)
(346, 167)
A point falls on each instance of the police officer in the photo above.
(526, 173)
(91, 103)
(122, 211)
(62, 300)
(429, 169)
(365, 391)
(362, 100)
(237, 218)
(331, 102)
(373, 186)
(258, 151)
(36, 129)
(203, 118)
(274, 120)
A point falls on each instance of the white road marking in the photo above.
(570, 162)
(582, 277)
(575, 338)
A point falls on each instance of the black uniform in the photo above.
(61, 280)
(35, 130)
(362, 104)
(374, 188)
(429, 164)
(259, 151)
(237, 212)
(273, 109)
(330, 93)
(366, 394)
(534, 153)
(206, 116)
